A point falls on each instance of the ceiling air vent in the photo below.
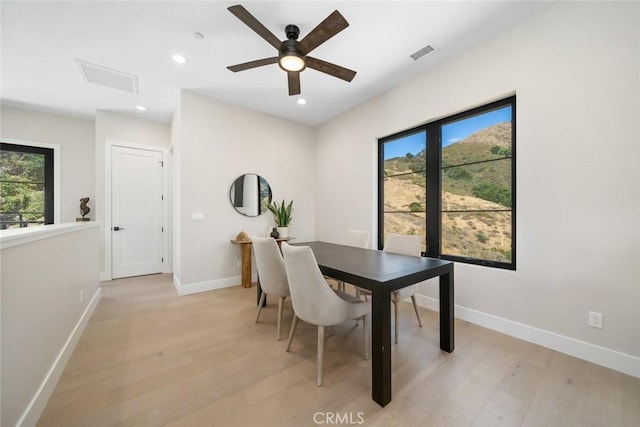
(107, 77)
(423, 52)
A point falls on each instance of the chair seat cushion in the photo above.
(347, 297)
(404, 293)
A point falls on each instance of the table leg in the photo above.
(381, 346)
(259, 293)
(446, 312)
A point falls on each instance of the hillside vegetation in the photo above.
(481, 186)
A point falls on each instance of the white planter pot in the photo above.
(283, 232)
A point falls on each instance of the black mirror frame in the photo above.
(264, 194)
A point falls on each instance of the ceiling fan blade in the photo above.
(243, 14)
(329, 68)
(253, 64)
(328, 28)
(294, 82)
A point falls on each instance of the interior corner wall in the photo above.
(575, 69)
(121, 128)
(74, 136)
(218, 142)
(176, 194)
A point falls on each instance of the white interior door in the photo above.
(136, 211)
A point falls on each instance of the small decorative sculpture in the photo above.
(84, 209)
(242, 237)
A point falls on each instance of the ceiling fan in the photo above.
(293, 54)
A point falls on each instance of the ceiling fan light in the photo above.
(291, 62)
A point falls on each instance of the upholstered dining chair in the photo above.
(405, 245)
(316, 303)
(272, 274)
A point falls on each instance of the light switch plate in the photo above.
(197, 217)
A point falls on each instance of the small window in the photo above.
(26, 186)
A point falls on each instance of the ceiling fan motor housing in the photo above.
(292, 31)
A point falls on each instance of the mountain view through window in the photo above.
(463, 207)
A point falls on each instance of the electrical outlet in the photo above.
(81, 295)
(238, 264)
(595, 319)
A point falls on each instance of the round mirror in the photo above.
(250, 194)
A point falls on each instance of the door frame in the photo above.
(166, 190)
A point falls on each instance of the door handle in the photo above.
(118, 228)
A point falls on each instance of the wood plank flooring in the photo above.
(151, 358)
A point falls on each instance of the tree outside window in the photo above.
(26, 186)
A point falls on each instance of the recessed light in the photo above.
(198, 36)
(180, 59)
(141, 108)
(301, 101)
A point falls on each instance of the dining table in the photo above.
(382, 273)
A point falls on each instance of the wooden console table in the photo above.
(246, 259)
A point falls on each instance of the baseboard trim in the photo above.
(612, 359)
(41, 397)
(208, 285)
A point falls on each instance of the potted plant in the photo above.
(282, 214)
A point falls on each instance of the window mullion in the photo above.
(433, 190)
(380, 194)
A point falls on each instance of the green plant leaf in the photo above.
(281, 212)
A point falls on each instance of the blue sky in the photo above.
(451, 133)
(409, 144)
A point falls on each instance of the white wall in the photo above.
(75, 138)
(43, 314)
(125, 129)
(575, 70)
(217, 142)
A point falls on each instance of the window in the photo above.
(26, 186)
(453, 182)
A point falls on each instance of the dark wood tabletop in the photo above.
(370, 268)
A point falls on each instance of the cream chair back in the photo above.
(270, 265)
(358, 238)
(403, 244)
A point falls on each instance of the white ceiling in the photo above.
(42, 40)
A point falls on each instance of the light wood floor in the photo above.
(149, 357)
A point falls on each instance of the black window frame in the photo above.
(48, 154)
(433, 168)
